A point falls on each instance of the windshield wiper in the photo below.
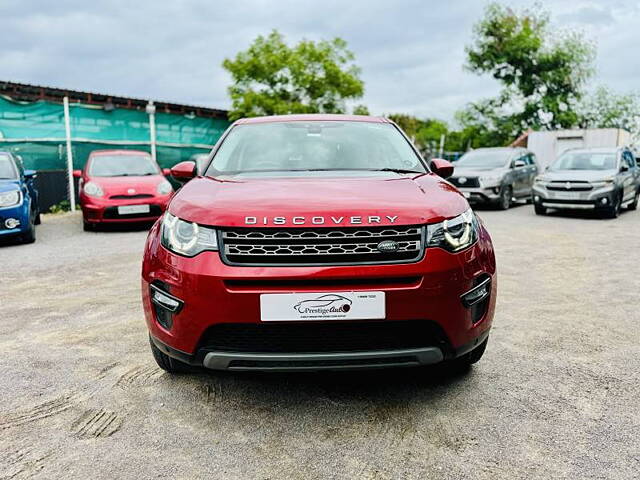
(395, 170)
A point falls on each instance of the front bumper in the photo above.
(99, 210)
(425, 296)
(481, 194)
(18, 212)
(596, 199)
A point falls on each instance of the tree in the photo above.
(361, 110)
(543, 73)
(606, 109)
(271, 78)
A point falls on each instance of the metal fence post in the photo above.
(67, 128)
(151, 111)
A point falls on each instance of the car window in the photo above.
(122, 166)
(315, 145)
(628, 159)
(585, 160)
(484, 159)
(7, 168)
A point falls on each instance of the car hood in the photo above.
(579, 175)
(121, 185)
(8, 185)
(395, 199)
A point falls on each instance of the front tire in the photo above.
(167, 363)
(30, 235)
(540, 210)
(614, 210)
(634, 204)
(504, 202)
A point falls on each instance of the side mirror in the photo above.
(77, 173)
(166, 172)
(441, 167)
(30, 174)
(184, 171)
(519, 164)
(624, 167)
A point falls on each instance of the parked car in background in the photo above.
(122, 186)
(19, 213)
(200, 160)
(601, 179)
(495, 176)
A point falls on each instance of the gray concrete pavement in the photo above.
(555, 396)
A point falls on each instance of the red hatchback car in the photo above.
(122, 186)
(317, 242)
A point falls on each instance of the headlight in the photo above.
(164, 188)
(8, 199)
(491, 179)
(542, 182)
(186, 238)
(92, 189)
(607, 182)
(454, 234)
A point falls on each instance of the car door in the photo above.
(532, 172)
(628, 175)
(519, 174)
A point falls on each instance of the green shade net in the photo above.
(35, 131)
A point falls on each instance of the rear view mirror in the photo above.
(29, 174)
(441, 167)
(624, 167)
(519, 163)
(184, 171)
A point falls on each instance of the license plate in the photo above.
(322, 306)
(133, 209)
(567, 195)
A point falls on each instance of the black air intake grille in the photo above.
(321, 246)
(469, 182)
(365, 335)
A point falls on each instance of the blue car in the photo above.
(18, 200)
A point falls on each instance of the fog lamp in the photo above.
(11, 223)
(476, 294)
(604, 201)
(536, 198)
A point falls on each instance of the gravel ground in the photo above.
(555, 396)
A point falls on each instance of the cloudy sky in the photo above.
(411, 52)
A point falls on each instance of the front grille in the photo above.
(112, 213)
(470, 182)
(368, 335)
(320, 246)
(577, 186)
(131, 197)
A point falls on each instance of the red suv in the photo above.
(317, 242)
(121, 186)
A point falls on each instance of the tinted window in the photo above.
(122, 165)
(7, 168)
(627, 158)
(586, 161)
(485, 159)
(317, 145)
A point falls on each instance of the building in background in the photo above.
(32, 126)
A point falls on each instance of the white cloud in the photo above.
(411, 52)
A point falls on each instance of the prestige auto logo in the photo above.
(324, 304)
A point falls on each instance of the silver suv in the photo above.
(601, 179)
(495, 175)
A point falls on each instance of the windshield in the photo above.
(316, 145)
(484, 159)
(585, 161)
(7, 169)
(122, 165)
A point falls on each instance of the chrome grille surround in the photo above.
(320, 246)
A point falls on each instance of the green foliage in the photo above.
(361, 110)
(426, 133)
(271, 78)
(606, 109)
(63, 206)
(543, 73)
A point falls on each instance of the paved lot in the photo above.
(556, 395)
